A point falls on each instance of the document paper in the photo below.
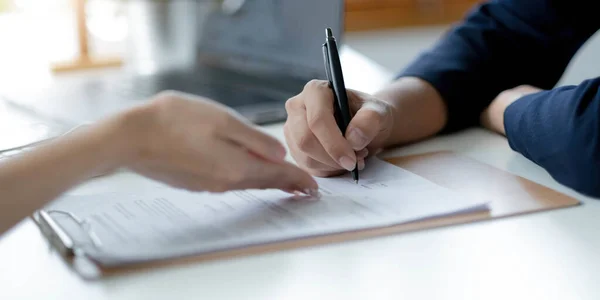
(167, 223)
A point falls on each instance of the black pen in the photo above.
(333, 70)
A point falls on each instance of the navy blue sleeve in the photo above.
(500, 45)
(506, 43)
(559, 130)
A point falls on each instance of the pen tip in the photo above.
(356, 181)
(328, 32)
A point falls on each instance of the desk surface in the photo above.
(547, 255)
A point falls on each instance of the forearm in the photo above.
(31, 180)
(559, 129)
(419, 111)
(502, 44)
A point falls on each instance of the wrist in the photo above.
(122, 137)
(493, 117)
(418, 110)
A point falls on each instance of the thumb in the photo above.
(366, 124)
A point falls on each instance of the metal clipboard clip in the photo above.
(60, 239)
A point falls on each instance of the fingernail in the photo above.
(312, 192)
(357, 139)
(361, 164)
(347, 163)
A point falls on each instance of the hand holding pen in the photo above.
(325, 145)
(333, 70)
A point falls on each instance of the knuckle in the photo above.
(293, 104)
(289, 104)
(315, 84)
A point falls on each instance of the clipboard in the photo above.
(509, 194)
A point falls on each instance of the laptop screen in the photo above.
(281, 36)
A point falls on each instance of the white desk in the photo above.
(548, 255)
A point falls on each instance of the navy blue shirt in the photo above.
(506, 43)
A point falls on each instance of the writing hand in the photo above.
(315, 140)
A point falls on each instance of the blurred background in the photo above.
(391, 32)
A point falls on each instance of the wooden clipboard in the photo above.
(509, 194)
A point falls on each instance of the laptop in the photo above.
(252, 61)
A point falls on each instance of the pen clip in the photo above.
(327, 64)
(337, 113)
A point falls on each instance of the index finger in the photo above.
(285, 176)
(321, 121)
